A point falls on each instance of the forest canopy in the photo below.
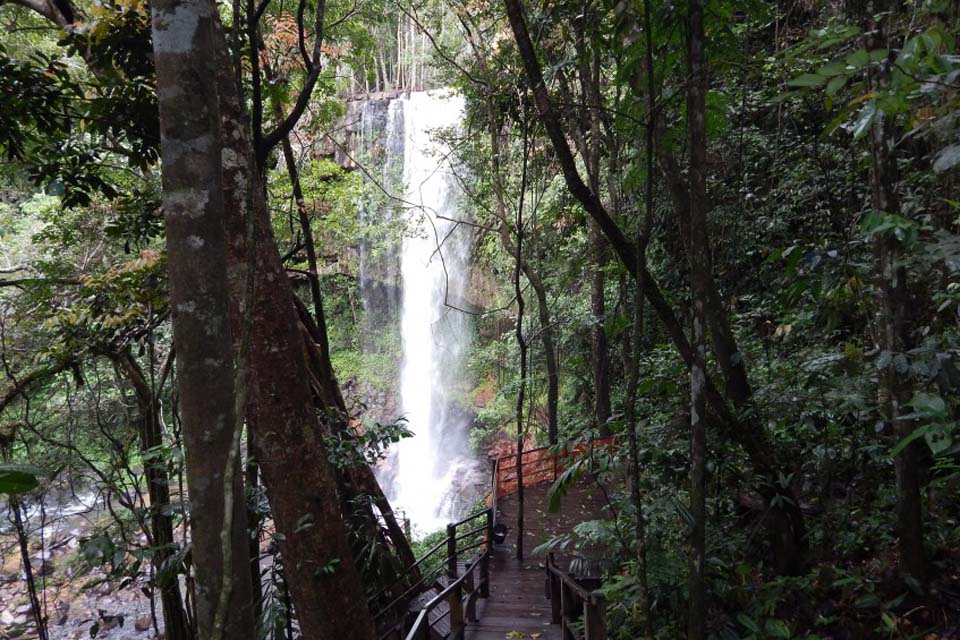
(702, 258)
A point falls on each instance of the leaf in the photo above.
(777, 629)
(835, 84)
(865, 121)
(858, 58)
(807, 80)
(831, 69)
(748, 622)
(867, 601)
(918, 433)
(862, 98)
(947, 159)
(939, 438)
(930, 405)
(562, 484)
(16, 478)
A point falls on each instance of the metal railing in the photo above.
(460, 591)
(581, 614)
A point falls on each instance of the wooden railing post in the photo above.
(553, 583)
(494, 484)
(455, 602)
(485, 558)
(470, 612)
(452, 551)
(595, 617)
(568, 609)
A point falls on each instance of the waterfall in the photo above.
(431, 472)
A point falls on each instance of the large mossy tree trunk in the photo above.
(300, 481)
(185, 52)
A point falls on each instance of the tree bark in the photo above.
(644, 231)
(895, 338)
(522, 344)
(599, 348)
(324, 584)
(158, 488)
(185, 50)
(700, 270)
(39, 620)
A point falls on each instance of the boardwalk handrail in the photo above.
(571, 604)
(421, 581)
(461, 608)
(480, 564)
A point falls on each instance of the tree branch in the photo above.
(37, 375)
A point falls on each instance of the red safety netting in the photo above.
(539, 465)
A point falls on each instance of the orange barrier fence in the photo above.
(538, 465)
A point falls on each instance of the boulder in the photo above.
(60, 611)
(143, 623)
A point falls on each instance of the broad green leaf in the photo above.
(835, 85)
(858, 58)
(831, 69)
(865, 120)
(929, 404)
(17, 478)
(777, 629)
(920, 432)
(939, 438)
(947, 159)
(748, 622)
(807, 80)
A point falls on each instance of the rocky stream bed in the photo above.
(77, 603)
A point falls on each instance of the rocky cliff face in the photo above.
(352, 141)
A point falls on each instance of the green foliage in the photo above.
(17, 478)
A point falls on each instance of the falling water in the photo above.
(433, 469)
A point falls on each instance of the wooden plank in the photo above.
(517, 601)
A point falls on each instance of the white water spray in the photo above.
(432, 467)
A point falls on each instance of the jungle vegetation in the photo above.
(726, 232)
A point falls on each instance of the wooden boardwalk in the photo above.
(518, 606)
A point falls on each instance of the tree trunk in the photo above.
(39, 620)
(633, 366)
(547, 334)
(600, 350)
(324, 584)
(699, 256)
(589, 143)
(522, 344)
(896, 339)
(186, 47)
(313, 273)
(158, 488)
(549, 354)
(362, 481)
